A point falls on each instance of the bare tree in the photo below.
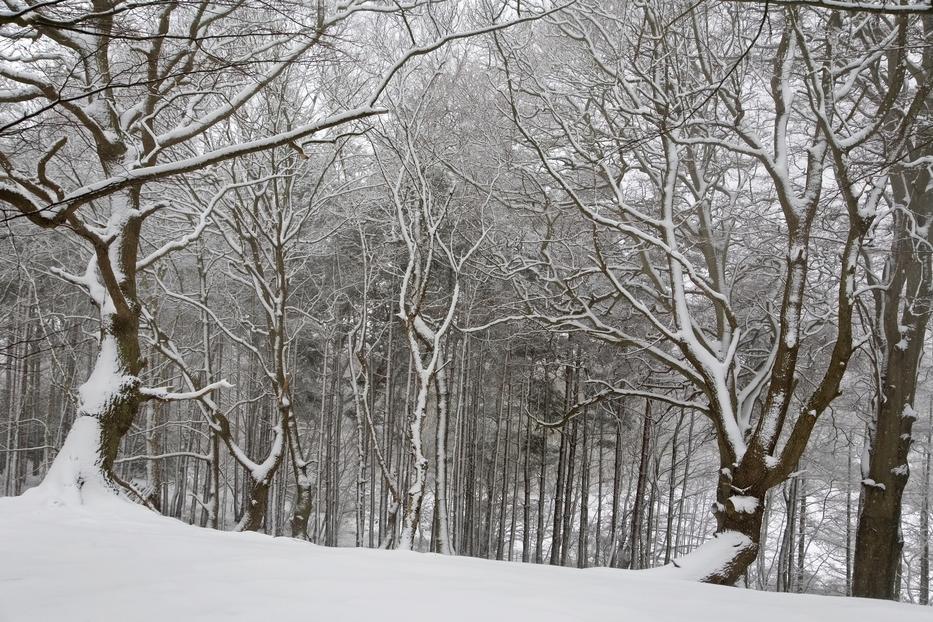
(144, 88)
(651, 149)
(903, 305)
(434, 263)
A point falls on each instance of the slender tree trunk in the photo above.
(569, 504)
(526, 492)
(683, 488)
(801, 532)
(785, 553)
(637, 511)
(556, 529)
(599, 492)
(925, 517)
(583, 540)
(615, 517)
(849, 517)
(418, 466)
(153, 466)
(671, 485)
(443, 543)
(542, 473)
(503, 496)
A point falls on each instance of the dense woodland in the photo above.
(577, 283)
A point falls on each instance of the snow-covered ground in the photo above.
(116, 562)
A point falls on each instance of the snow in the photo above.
(901, 470)
(106, 381)
(711, 556)
(114, 561)
(744, 503)
(74, 478)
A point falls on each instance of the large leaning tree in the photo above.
(106, 103)
(710, 158)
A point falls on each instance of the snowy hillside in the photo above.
(117, 562)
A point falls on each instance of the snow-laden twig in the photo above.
(164, 394)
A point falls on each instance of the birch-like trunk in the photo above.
(443, 543)
(418, 467)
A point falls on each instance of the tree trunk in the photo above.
(542, 473)
(556, 531)
(724, 559)
(526, 489)
(637, 510)
(301, 505)
(257, 503)
(671, 486)
(442, 540)
(801, 530)
(615, 517)
(418, 467)
(109, 400)
(904, 316)
(108, 403)
(583, 540)
(925, 519)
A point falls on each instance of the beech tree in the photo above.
(903, 298)
(425, 213)
(145, 111)
(634, 140)
(142, 110)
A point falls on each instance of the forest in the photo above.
(585, 283)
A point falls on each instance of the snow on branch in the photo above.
(133, 177)
(163, 394)
(884, 8)
(204, 219)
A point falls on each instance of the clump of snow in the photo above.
(873, 484)
(707, 559)
(107, 380)
(744, 503)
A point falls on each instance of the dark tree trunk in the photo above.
(255, 507)
(637, 510)
(906, 308)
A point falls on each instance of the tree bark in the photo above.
(905, 316)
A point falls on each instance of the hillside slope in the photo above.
(117, 562)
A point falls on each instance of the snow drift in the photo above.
(119, 562)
